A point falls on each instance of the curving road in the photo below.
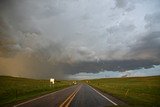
(80, 95)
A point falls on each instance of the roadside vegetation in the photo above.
(136, 91)
(14, 90)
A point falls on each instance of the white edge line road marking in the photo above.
(104, 96)
(40, 97)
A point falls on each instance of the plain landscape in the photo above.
(135, 91)
(13, 89)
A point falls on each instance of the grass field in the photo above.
(136, 91)
(13, 90)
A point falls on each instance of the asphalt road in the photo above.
(80, 95)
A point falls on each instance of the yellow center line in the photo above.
(70, 98)
(62, 105)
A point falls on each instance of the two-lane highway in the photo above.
(88, 97)
(80, 95)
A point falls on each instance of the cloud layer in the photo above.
(48, 38)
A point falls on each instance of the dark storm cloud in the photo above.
(8, 46)
(30, 59)
(147, 47)
(113, 65)
(22, 14)
(56, 37)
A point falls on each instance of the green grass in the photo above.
(13, 90)
(142, 91)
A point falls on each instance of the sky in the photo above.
(111, 74)
(68, 39)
